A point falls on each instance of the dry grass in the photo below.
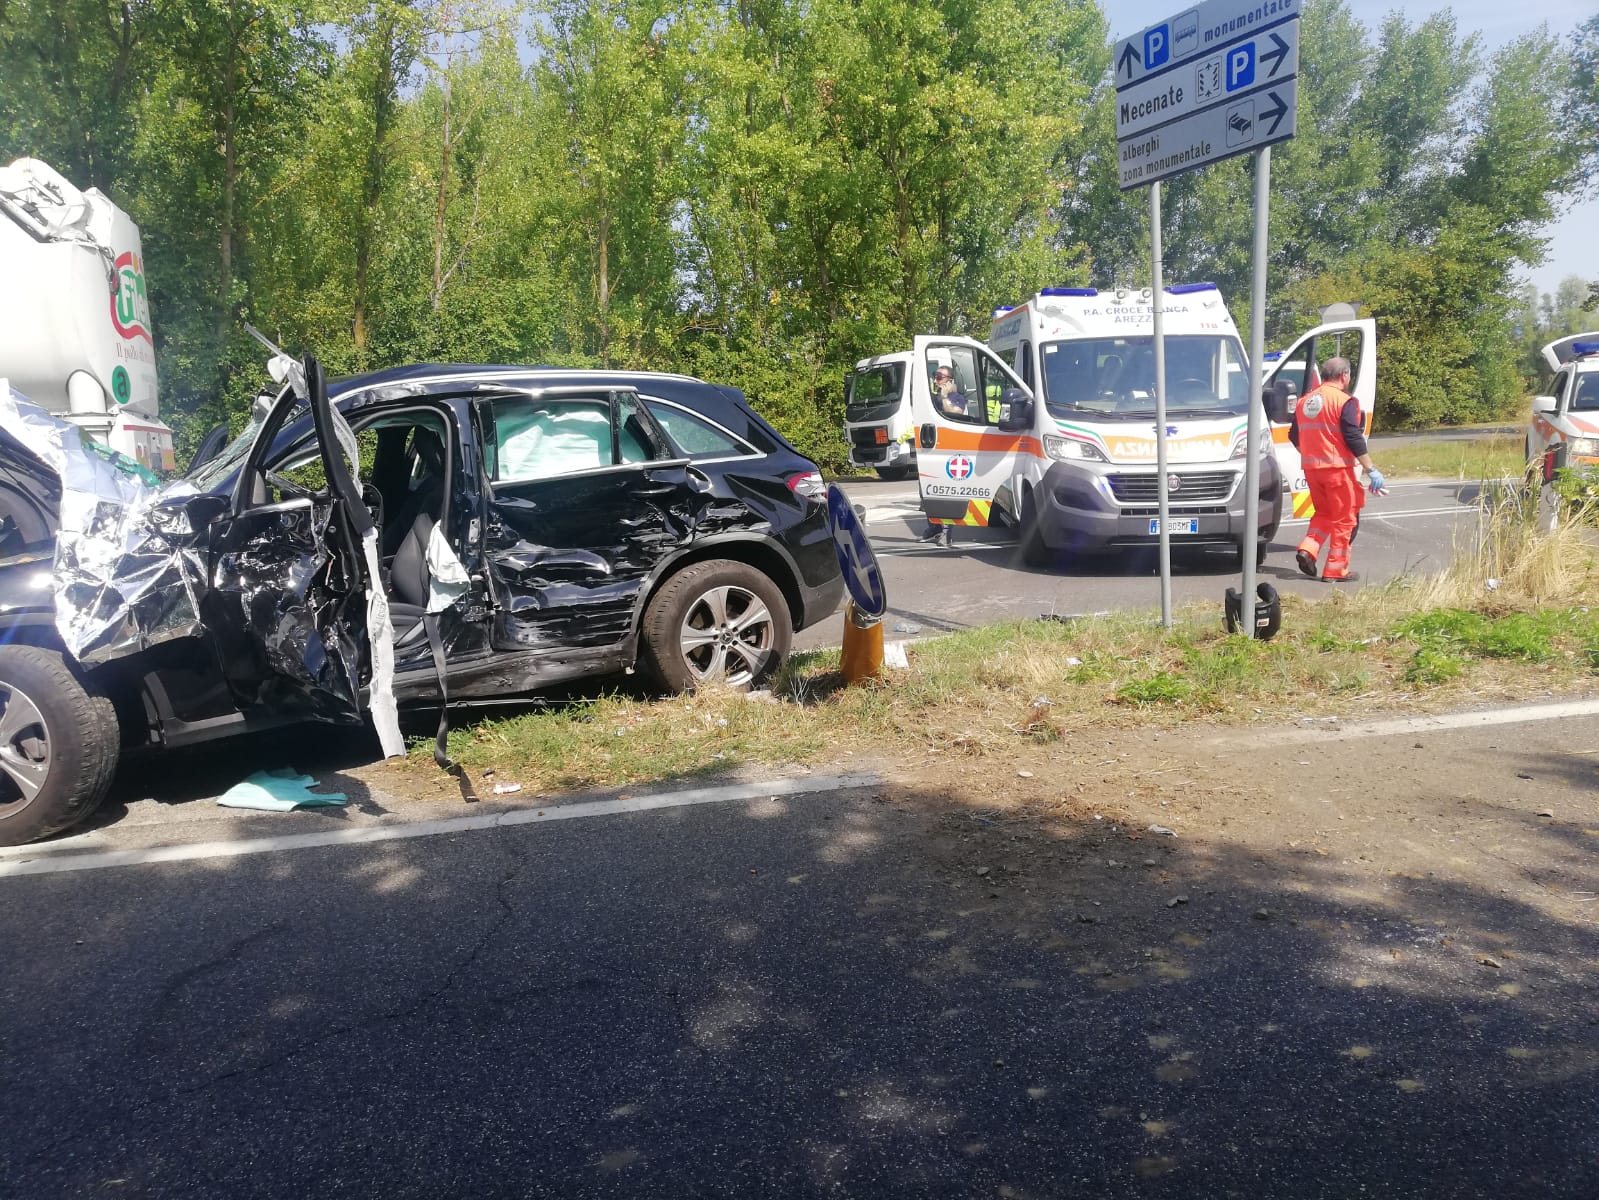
(1417, 644)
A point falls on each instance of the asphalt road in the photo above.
(980, 579)
(812, 995)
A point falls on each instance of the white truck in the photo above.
(1058, 434)
(877, 415)
(75, 334)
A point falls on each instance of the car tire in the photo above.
(1034, 552)
(717, 619)
(59, 742)
(1260, 553)
(897, 474)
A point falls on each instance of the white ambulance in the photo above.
(1564, 431)
(1057, 434)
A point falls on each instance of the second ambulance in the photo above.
(1057, 433)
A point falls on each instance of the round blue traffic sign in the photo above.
(862, 576)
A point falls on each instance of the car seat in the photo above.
(406, 534)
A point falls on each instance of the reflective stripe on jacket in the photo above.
(1321, 441)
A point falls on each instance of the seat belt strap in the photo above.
(430, 623)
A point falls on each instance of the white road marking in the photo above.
(1343, 731)
(51, 864)
(1368, 515)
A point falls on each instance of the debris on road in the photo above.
(278, 791)
(1176, 900)
(1163, 829)
(506, 789)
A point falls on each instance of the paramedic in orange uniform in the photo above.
(1328, 429)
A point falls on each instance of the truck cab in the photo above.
(1057, 433)
(877, 415)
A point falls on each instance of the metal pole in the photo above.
(1257, 356)
(1157, 291)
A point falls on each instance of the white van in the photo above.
(1058, 433)
(877, 415)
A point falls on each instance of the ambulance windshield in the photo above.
(1113, 378)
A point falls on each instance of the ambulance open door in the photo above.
(966, 458)
(1298, 371)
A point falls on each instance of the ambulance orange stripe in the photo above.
(966, 439)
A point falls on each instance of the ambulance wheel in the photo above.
(897, 474)
(1031, 542)
(1260, 553)
(58, 745)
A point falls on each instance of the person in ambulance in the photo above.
(952, 403)
(1328, 430)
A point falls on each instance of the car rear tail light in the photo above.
(809, 486)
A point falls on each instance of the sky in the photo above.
(1573, 249)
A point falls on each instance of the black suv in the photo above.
(526, 526)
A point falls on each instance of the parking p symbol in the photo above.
(1157, 47)
(1240, 66)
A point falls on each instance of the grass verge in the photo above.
(1510, 620)
(1494, 457)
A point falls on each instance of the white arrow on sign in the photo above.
(1240, 69)
(1196, 32)
(1210, 135)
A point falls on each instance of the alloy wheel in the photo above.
(727, 634)
(24, 748)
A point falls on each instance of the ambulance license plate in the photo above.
(1189, 526)
(882, 436)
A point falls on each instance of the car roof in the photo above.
(442, 376)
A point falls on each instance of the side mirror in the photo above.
(1275, 398)
(1015, 411)
(1544, 404)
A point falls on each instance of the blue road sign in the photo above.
(1157, 46)
(862, 576)
(1240, 66)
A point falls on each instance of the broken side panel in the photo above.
(570, 555)
(586, 500)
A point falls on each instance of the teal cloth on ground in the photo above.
(278, 791)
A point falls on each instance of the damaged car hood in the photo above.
(124, 571)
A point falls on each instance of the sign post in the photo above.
(1162, 492)
(1216, 80)
(1257, 380)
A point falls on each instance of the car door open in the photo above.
(1298, 371)
(966, 445)
(291, 602)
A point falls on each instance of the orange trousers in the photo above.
(1338, 498)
